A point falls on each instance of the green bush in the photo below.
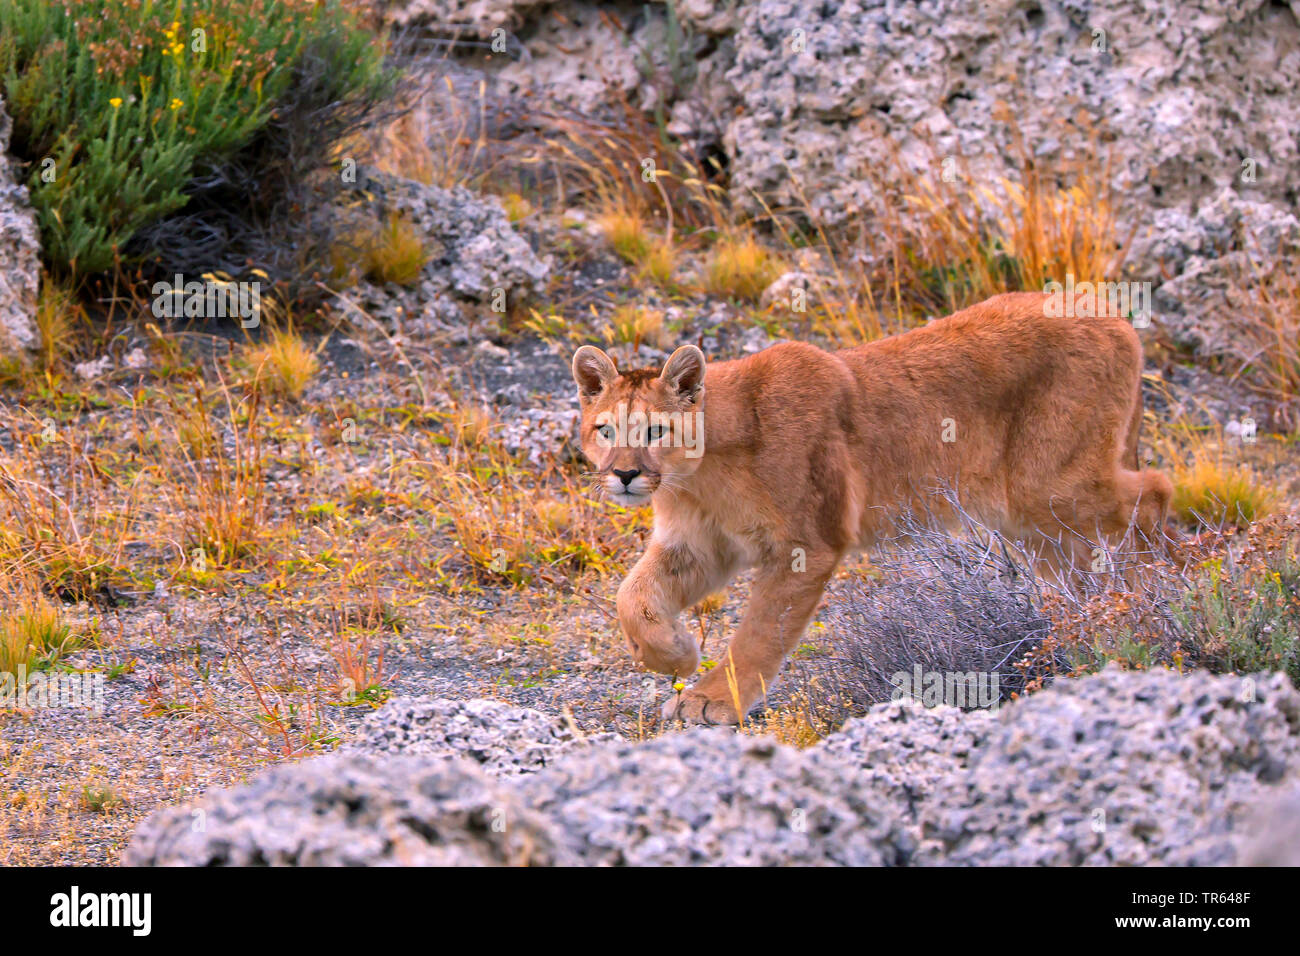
(1246, 623)
(117, 103)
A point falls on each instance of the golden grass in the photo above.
(943, 245)
(951, 244)
(391, 251)
(58, 314)
(395, 252)
(740, 267)
(58, 533)
(511, 523)
(283, 365)
(471, 425)
(659, 263)
(790, 725)
(1266, 327)
(216, 489)
(33, 633)
(635, 324)
(516, 206)
(628, 234)
(1213, 491)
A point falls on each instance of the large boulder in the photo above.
(1217, 253)
(1180, 93)
(20, 252)
(474, 255)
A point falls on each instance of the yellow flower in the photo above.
(679, 687)
(115, 102)
(177, 104)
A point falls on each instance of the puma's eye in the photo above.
(605, 433)
(656, 432)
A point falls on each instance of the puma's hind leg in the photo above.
(1087, 531)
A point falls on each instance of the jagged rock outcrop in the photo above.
(1192, 109)
(20, 252)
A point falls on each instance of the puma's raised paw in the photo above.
(693, 707)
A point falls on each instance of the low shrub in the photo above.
(947, 603)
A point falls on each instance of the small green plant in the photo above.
(97, 797)
(115, 103)
(1246, 623)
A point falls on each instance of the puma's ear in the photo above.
(684, 371)
(592, 370)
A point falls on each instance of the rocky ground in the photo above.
(1114, 769)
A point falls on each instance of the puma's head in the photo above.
(641, 429)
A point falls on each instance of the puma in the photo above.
(786, 460)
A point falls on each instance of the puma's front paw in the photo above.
(693, 707)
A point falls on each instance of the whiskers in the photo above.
(595, 483)
(673, 483)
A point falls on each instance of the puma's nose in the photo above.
(627, 476)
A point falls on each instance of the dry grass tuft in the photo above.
(58, 315)
(628, 234)
(33, 633)
(659, 264)
(283, 365)
(740, 267)
(1267, 332)
(634, 324)
(1214, 492)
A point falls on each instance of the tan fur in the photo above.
(814, 453)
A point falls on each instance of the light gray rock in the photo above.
(709, 796)
(1214, 256)
(818, 105)
(1273, 836)
(828, 92)
(476, 250)
(1121, 768)
(502, 739)
(476, 17)
(908, 749)
(539, 433)
(351, 810)
(20, 252)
